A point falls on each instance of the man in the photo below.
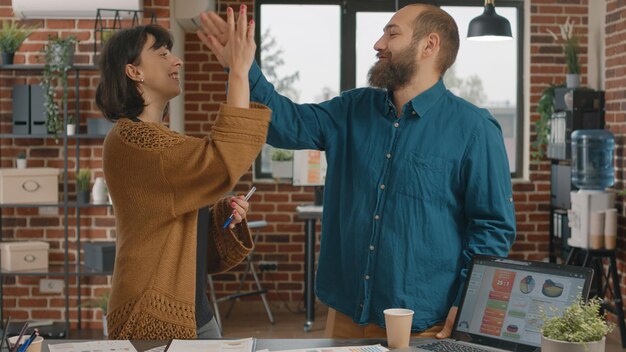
(417, 183)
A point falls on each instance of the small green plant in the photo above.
(570, 44)
(101, 302)
(71, 119)
(282, 154)
(581, 322)
(13, 34)
(82, 179)
(21, 155)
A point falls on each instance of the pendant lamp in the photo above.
(489, 26)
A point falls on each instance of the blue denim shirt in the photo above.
(407, 202)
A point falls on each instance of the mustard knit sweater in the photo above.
(158, 179)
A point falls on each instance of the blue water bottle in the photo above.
(592, 159)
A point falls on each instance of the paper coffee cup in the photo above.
(610, 228)
(35, 346)
(596, 229)
(398, 323)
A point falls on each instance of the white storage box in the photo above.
(24, 256)
(30, 185)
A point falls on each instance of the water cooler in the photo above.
(592, 174)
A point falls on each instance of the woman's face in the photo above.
(159, 69)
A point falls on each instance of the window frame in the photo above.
(347, 69)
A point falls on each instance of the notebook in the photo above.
(500, 307)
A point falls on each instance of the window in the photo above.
(337, 55)
(302, 64)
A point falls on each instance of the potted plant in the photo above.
(545, 108)
(282, 163)
(71, 125)
(570, 44)
(12, 35)
(101, 302)
(581, 328)
(82, 186)
(21, 160)
(59, 56)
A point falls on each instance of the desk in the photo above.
(310, 214)
(271, 344)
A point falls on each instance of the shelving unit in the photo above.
(585, 111)
(66, 270)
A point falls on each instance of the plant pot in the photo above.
(58, 52)
(550, 345)
(105, 331)
(99, 191)
(7, 58)
(572, 80)
(20, 163)
(71, 130)
(82, 197)
(282, 169)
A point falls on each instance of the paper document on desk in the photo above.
(241, 345)
(370, 348)
(94, 346)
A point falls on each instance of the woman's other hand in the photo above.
(240, 208)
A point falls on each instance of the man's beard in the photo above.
(395, 71)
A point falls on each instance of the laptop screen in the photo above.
(503, 296)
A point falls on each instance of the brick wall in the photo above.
(282, 240)
(615, 76)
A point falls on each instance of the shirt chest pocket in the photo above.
(424, 176)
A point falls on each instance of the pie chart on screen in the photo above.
(552, 289)
(527, 284)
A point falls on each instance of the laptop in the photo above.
(500, 307)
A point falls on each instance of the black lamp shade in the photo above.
(489, 26)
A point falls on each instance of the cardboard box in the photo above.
(99, 256)
(30, 185)
(24, 256)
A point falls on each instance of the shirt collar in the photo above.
(423, 102)
(428, 98)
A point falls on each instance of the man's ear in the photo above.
(133, 73)
(431, 45)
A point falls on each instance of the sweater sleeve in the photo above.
(226, 248)
(200, 171)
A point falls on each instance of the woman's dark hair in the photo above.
(117, 95)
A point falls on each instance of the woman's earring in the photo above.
(141, 80)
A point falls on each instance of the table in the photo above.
(310, 214)
(271, 344)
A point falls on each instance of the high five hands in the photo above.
(215, 34)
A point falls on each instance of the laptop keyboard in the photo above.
(447, 346)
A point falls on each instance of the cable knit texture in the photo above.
(158, 179)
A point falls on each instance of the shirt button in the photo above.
(367, 277)
(388, 156)
(382, 186)
(413, 112)
(376, 217)
(396, 124)
(371, 247)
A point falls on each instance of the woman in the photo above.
(158, 179)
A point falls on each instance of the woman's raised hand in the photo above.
(232, 41)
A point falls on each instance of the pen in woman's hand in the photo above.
(232, 216)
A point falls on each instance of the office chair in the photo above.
(250, 268)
